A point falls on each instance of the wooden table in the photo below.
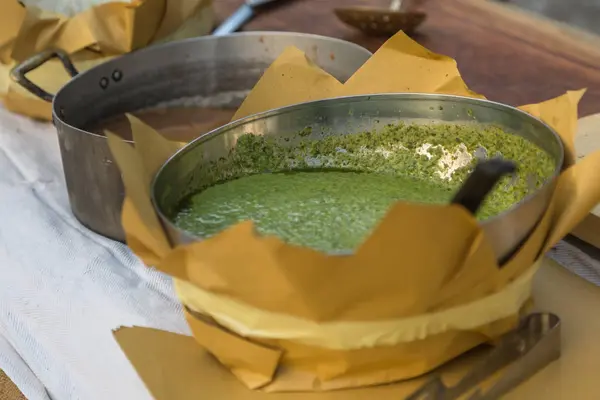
(575, 375)
(504, 53)
(8, 390)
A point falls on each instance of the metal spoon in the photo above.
(517, 355)
(379, 21)
(241, 16)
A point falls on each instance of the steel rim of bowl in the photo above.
(55, 115)
(356, 99)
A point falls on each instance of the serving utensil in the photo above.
(485, 176)
(240, 17)
(518, 355)
(379, 21)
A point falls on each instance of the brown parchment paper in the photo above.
(436, 262)
(91, 37)
(400, 65)
(175, 367)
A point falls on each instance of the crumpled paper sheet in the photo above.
(438, 260)
(400, 65)
(175, 367)
(92, 36)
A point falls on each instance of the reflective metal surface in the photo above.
(356, 114)
(517, 356)
(201, 72)
(380, 21)
(240, 17)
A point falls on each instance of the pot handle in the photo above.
(18, 73)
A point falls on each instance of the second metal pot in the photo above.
(214, 71)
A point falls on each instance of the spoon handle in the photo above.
(481, 181)
(235, 21)
(396, 5)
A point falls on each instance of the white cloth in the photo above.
(63, 289)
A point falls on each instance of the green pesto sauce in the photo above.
(325, 210)
(269, 180)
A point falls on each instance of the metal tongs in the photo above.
(521, 353)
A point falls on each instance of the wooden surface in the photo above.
(8, 390)
(504, 53)
(582, 13)
(588, 141)
(575, 375)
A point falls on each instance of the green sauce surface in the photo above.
(325, 210)
(328, 192)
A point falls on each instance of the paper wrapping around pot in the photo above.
(438, 261)
(91, 37)
(174, 367)
(345, 354)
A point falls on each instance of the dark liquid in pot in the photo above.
(181, 124)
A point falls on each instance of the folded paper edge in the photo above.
(255, 365)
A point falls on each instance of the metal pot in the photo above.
(215, 71)
(182, 174)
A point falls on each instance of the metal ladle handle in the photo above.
(242, 15)
(481, 181)
(396, 5)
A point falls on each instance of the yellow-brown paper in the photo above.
(91, 37)
(437, 263)
(175, 367)
(400, 65)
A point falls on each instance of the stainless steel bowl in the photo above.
(348, 115)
